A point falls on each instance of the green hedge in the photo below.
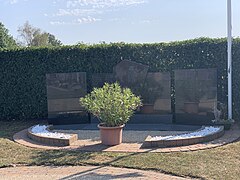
(22, 78)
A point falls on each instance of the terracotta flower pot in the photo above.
(111, 135)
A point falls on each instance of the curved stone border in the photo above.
(149, 142)
(95, 146)
(52, 141)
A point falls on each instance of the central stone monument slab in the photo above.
(130, 74)
(98, 79)
(153, 88)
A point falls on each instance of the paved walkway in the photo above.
(80, 172)
(127, 137)
(87, 145)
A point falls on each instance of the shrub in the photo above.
(111, 104)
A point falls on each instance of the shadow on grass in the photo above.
(100, 159)
(9, 128)
(76, 157)
(61, 157)
(85, 155)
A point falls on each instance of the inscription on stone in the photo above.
(64, 91)
(195, 95)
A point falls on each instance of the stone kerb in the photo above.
(182, 142)
(52, 141)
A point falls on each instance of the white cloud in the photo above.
(91, 7)
(145, 21)
(116, 19)
(103, 3)
(89, 11)
(57, 22)
(76, 12)
(83, 20)
(12, 2)
(87, 20)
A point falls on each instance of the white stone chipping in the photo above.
(128, 136)
(42, 130)
(201, 133)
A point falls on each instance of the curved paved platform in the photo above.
(87, 145)
(80, 172)
(131, 127)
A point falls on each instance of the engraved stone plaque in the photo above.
(155, 93)
(195, 95)
(63, 93)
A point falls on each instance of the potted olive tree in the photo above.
(113, 106)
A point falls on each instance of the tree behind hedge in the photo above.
(32, 36)
(6, 40)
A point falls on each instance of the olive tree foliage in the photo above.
(6, 40)
(111, 104)
(32, 36)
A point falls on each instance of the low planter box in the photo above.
(52, 141)
(149, 142)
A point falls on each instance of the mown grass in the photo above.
(217, 163)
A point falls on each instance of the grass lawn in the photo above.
(218, 163)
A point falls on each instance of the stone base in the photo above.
(51, 141)
(148, 143)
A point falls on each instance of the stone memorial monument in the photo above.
(63, 93)
(195, 95)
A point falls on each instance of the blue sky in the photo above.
(92, 21)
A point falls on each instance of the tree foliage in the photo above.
(53, 40)
(112, 104)
(31, 36)
(6, 40)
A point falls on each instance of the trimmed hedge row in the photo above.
(22, 78)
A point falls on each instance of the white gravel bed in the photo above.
(42, 130)
(204, 132)
(129, 136)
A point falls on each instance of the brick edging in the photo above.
(96, 146)
(52, 141)
(184, 141)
